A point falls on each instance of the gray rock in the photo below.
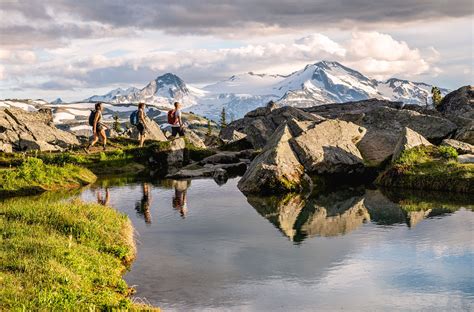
(24, 130)
(408, 139)
(260, 124)
(222, 158)
(194, 139)
(466, 159)
(458, 103)
(384, 126)
(152, 133)
(460, 147)
(276, 169)
(330, 147)
(220, 176)
(175, 155)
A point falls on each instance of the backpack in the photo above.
(172, 117)
(92, 117)
(134, 118)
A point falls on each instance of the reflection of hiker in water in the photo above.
(179, 199)
(143, 206)
(103, 200)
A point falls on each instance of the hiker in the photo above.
(175, 120)
(143, 206)
(138, 119)
(98, 128)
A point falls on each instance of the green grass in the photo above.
(63, 255)
(34, 176)
(429, 168)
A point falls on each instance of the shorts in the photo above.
(98, 128)
(141, 128)
(177, 130)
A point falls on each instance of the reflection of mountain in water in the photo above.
(341, 212)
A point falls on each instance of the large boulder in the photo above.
(408, 139)
(23, 131)
(384, 126)
(330, 147)
(458, 106)
(153, 131)
(276, 169)
(194, 139)
(460, 147)
(258, 125)
(384, 121)
(458, 103)
(175, 154)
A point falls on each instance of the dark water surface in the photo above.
(204, 247)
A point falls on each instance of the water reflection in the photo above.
(143, 206)
(343, 211)
(179, 201)
(103, 200)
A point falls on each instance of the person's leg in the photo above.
(181, 132)
(174, 132)
(95, 138)
(103, 137)
(142, 139)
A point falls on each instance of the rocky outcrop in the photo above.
(194, 139)
(276, 169)
(460, 147)
(329, 147)
(259, 125)
(458, 106)
(24, 131)
(384, 121)
(175, 154)
(458, 103)
(408, 139)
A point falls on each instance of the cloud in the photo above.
(375, 54)
(54, 22)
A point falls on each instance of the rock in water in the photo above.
(276, 169)
(408, 139)
(460, 147)
(24, 131)
(330, 147)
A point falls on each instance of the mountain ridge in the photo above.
(320, 83)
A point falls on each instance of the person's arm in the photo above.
(180, 120)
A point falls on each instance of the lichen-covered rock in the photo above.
(259, 125)
(24, 131)
(408, 139)
(459, 146)
(276, 169)
(330, 147)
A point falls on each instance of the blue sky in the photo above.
(70, 49)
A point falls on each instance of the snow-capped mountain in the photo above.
(320, 83)
(57, 101)
(112, 96)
